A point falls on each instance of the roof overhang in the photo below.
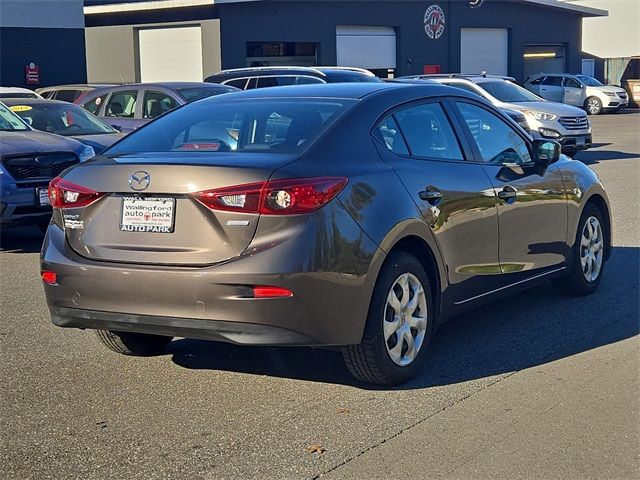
(132, 6)
(568, 5)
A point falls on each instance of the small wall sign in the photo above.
(434, 22)
(32, 74)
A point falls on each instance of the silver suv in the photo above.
(563, 123)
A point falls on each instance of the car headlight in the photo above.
(611, 94)
(86, 153)
(541, 115)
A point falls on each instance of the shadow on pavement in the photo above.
(534, 327)
(26, 239)
(589, 157)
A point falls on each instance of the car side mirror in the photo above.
(545, 152)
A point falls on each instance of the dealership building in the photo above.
(161, 40)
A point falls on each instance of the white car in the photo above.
(17, 92)
(579, 90)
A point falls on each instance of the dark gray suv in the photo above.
(351, 215)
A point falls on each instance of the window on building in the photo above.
(262, 54)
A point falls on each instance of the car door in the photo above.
(551, 88)
(121, 110)
(531, 201)
(574, 92)
(455, 196)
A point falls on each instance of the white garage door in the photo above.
(484, 50)
(366, 47)
(168, 54)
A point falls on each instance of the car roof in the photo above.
(15, 89)
(34, 101)
(78, 85)
(355, 91)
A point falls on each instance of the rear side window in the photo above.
(552, 81)
(428, 132)
(265, 125)
(94, 105)
(389, 134)
(238, 83)
(67, 95)
(122, 104)
(156, 103)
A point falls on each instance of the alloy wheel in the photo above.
(593, 106)
(405, 319)
(591, 249)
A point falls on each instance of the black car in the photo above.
(351, 215)
(260, 77)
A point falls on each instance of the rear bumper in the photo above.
(230, 332)
(329, 304)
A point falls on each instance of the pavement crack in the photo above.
(415, 424)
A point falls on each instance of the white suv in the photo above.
(562, 123)
(579, 90)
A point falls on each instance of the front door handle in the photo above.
(508, 194)
(430, 195)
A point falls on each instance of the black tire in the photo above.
(593, 106)
(370, 361)
(130, 343)
(575, 283)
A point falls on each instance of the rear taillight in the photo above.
(64, 194)
(277, 197)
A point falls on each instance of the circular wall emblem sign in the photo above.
(434, 22)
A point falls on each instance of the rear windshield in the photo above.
(198, 93)
(256, 125)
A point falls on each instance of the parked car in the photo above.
(515, 115)
(29, 159)
(70, 93)
(562, 123)
(66, 119)
(17, 92)
(260, 77)
(127, 107)
(578, 90)
(356, 215)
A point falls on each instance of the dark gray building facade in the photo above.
(390, 37)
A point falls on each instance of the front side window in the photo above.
(258, 125)
(428, 132)
(552, 81)
(156, 103)
(571, 83)
(497, 142)
(122, 104)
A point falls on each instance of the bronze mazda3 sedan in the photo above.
(358, 216)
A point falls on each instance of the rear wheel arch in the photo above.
(420, 249)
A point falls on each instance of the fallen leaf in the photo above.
(316, 448)
(342, 410)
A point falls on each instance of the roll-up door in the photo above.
(170, 54)
(365, 46)
(484, 50)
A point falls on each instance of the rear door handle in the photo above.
(430, 195)
(508, 194)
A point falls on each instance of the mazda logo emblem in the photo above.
(139, 180)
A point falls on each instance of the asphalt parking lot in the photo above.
(537, 386)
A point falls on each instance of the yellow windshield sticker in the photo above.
(20, 108)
